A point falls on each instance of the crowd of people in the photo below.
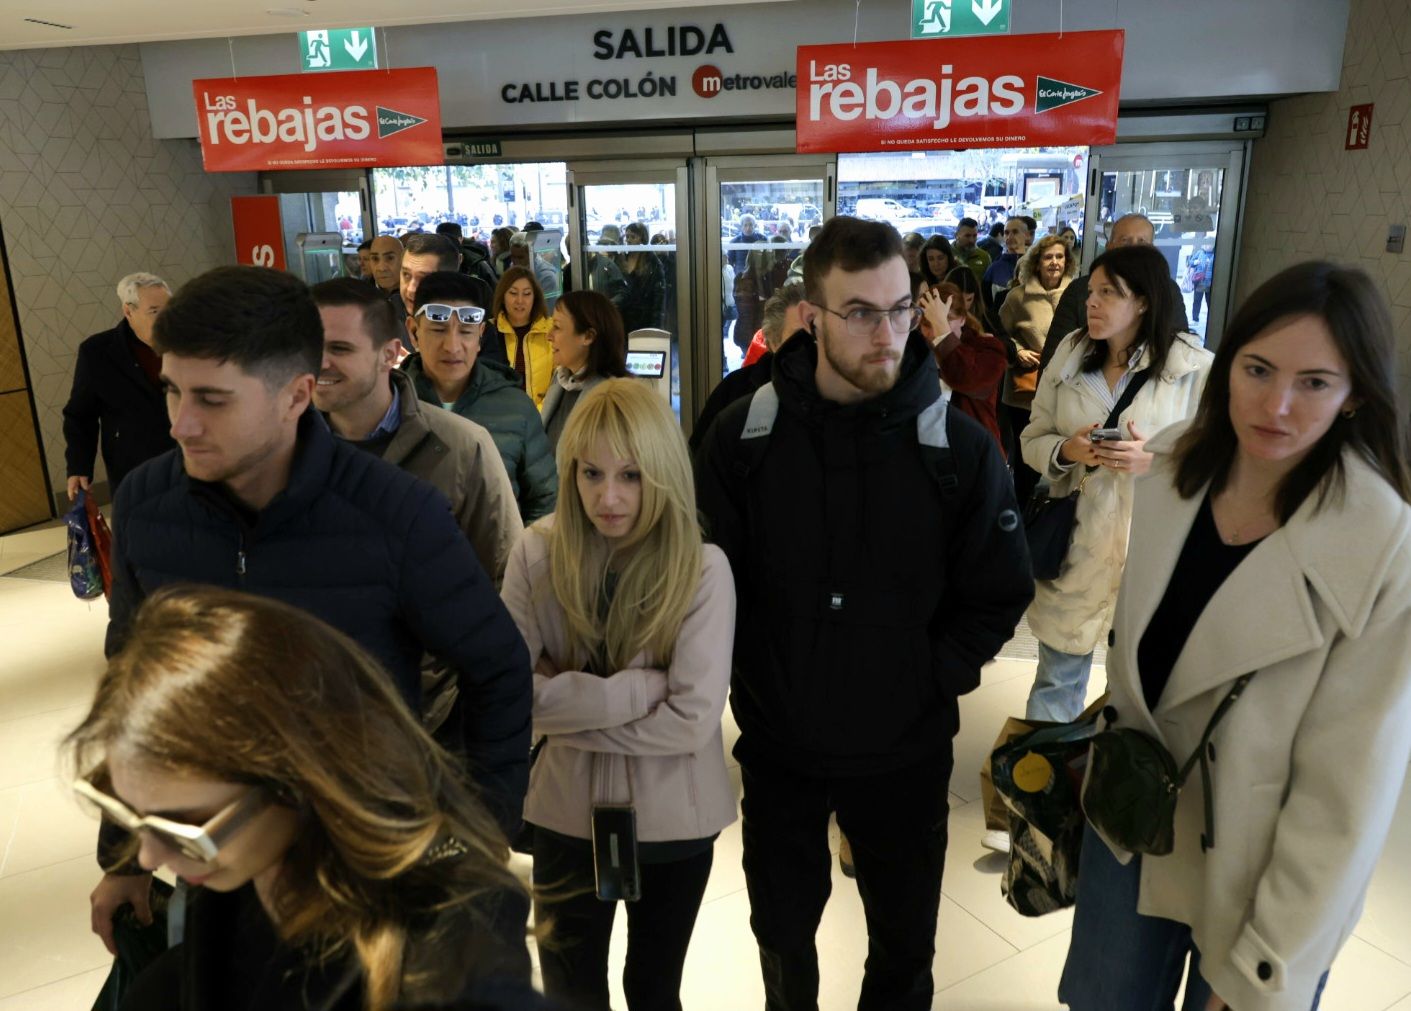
(378, 615)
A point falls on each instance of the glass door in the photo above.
(331, 211)
(627, 227)
(758, 216)
(1191, 192)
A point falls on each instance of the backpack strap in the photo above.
(931, 434)
(759, 425)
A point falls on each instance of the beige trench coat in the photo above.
(1072, 613)
(1308, 764)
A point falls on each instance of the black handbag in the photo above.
(1048, 522)
(1133, 785)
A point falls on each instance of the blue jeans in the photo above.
(1118, 958)
(1060, 686)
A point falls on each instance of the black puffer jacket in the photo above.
(366, 547)
(866, 603)
(113, 400)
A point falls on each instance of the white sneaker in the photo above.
(996, 839)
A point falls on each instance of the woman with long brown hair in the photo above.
(1264, 631)
(590, 346)
(336, 857)
(522, 322)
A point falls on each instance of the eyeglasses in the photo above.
(199, 842)
(436, 312)
(863, 322)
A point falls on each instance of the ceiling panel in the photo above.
(104, 22)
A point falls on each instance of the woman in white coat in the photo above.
(1128, 303)
(630, 621)
(1272, 538)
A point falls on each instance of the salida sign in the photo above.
(1014, 91)
(355, 119)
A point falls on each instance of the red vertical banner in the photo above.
(259, 231)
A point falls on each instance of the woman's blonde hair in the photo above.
(659, 564)
(236, 688)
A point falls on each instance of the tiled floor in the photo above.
(988, 957)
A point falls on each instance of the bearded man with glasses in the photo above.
(879, 563)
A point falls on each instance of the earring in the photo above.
(1349, 413)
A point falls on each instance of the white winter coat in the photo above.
(1308, 763)
(1071, 613)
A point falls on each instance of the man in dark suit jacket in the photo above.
(116, 394)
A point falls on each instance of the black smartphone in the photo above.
(1105, 435)
(615, 866)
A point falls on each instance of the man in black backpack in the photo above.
(879, 561)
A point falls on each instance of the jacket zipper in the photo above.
(240, 558)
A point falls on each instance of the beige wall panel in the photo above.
(23, 499)
(1311, 199)
(88, 195)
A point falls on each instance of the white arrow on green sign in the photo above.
(948, 19)
(338, 49)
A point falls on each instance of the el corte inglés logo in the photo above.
(390, 121)
(1053, 94)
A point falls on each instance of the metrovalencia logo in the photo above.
(1052, 94)
(390, 121)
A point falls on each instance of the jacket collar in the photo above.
(1185, 357)
(1339, 554)
(413, 427)
(308, 476)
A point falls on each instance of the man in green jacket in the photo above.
(446, 370)
(967, 253)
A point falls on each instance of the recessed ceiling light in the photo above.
(287, 12)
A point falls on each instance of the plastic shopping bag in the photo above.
(85, 571)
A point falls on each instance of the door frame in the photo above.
(1231, 155)
(650, 171)
(751, 168)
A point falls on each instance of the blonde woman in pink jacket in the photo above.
(630, 620)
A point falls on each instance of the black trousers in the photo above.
(896, 824)
(575, 960)
(1025, 477)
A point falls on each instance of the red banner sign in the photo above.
(352, 119)
(259, 232)
(1000, 91)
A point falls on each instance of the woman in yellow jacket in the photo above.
(523, 322)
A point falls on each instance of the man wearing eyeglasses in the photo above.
(879, 562)
(116, 395)
(447, 370)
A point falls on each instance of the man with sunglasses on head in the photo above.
(448, 320)
(261, 497)
(879, 563)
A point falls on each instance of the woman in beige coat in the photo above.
(1128, 298)
(1026, 314)
(1272, 538)
(630, 621)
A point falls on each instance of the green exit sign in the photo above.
(948, 19)
(338, 49)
